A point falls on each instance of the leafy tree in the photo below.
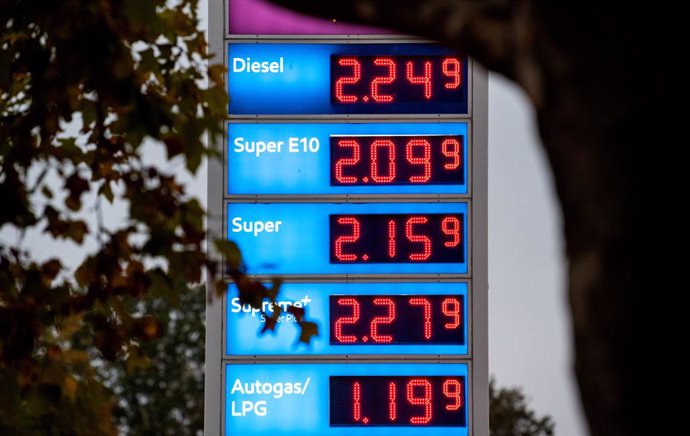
(166, 395)
(83, 86)
(509, 414)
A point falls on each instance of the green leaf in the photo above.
(194, 156)
(148, 61)
(140, 12)
(230, 251)
(88, 113)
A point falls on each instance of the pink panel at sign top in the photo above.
(260, 17)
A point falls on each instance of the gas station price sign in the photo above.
(356, 319)
(355, 170)
(351, 238)
(345, 399)
(348, 158)
(346, 79)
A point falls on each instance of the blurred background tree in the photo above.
(165, 396)
(509, 414)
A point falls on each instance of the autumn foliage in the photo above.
(84, 85)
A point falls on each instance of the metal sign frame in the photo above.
(477, 277)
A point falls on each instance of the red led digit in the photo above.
(424, 400)
(356, 401)
(451, 308)
(391, 239)
(451, 226)
(338, 328)
(356, 75)
(385, 80)
(424, 159)
(451, 68)
(386, 339)
(451, 148)
(392, 394)
(424, 80)
(453, 389)
(426, 305)
(388, 144)
(347, 239)
(424, 255)
(354, 160)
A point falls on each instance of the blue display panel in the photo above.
(302, 238)
(445, 317)
(298, 159)
(327, 79)
(321, 399)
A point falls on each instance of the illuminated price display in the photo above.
(397, 238)
(396, 319)
(424, 318)
(397, 401)
(378, 399)
(346, 79)
(351, 238)
(398, 160)
(354, 170)
(348, 158)
(361, 81)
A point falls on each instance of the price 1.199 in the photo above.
(398, 401)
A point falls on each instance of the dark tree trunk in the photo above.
(598, 77)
